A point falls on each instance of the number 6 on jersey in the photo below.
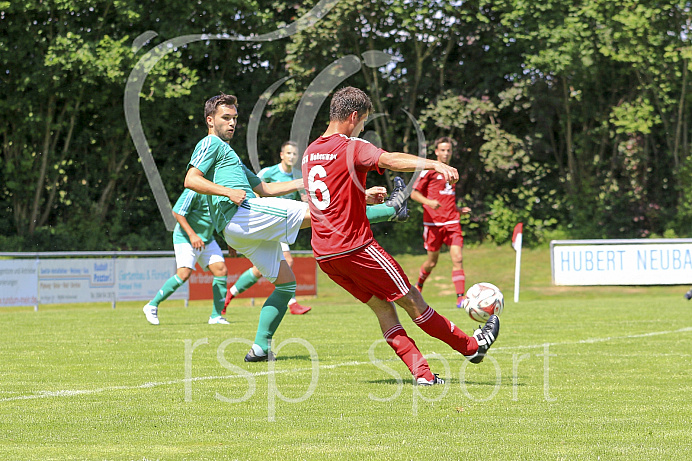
(314, 185)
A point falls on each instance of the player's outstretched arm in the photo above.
(195, 180)
(277, 189)
(399, 161)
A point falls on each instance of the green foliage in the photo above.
(635, 117)
(526, 207)
(572, 116)
(683, 220)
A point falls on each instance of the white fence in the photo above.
(621, 262)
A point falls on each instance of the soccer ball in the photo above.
(483, 300)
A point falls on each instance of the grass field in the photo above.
(577, 373)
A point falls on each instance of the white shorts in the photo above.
(258, 228)
(187, 256)
(285, 247)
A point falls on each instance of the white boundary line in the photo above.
(44, 394)
(68, 393)
(597, 340)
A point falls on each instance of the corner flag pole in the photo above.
(516, 244)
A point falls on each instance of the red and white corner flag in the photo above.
(516, 244)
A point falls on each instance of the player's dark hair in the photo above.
(444, 140)
(214, 102)
(346, 101)
(288, 143)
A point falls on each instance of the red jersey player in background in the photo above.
(334, 170)
(441, 220)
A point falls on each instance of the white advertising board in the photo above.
(140, 278)
(622, 262)
(76, 280)
(31, 279)
(18, 282)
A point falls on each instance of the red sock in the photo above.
(459, 279)
(422, 275)
(439, 327)
(407, 351)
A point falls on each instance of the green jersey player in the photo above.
(193, 241)
(254, 226)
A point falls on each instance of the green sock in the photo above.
(245, 281)
(218, 289)
(272, 312)
(167, 289)
(379, 213)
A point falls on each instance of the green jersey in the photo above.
(277, 174)
(219, 163)
(195, 208)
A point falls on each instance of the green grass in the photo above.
(90, 382)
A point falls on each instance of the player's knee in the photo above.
(183, 273)
(413, 303)
(219, 270)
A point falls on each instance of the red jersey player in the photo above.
(334, 169)
(441, 220)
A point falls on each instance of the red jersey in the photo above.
(334, 170)
(433, 186)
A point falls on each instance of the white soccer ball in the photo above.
(483, 300)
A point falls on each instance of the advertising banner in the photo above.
(138, 279)
(18, 282)
(622, 262)
(30, 282)
(76, 280)
(304, 268)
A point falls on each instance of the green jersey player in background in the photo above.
(193, 241)
(283, 171)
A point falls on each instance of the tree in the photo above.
(613, 144)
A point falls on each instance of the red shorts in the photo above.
(435, 236)
(368, 272)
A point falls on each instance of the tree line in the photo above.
(570, 116)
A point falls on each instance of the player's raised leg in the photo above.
(404, 346)
(472, 347)
(373, 277)
(394, 209)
